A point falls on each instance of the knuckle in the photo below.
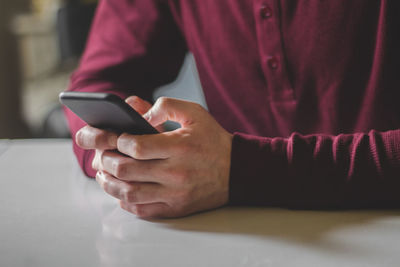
(120, 168)
(98, 138)
(141, 211)
(180, 176)
(198, 149)
(96, 162)
(137, 149)
(184, 197)
(187, 146)
(131, 194)
(186, 140)
(127, 195)
(106, 186)
(198, 107)
(181, 202)
(164, 102)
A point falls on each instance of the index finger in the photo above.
(151, 146)
(92, 138)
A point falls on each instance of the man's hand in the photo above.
(170, 174)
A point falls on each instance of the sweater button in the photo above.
(265, 12)
(273, 63)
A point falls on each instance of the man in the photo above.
(304, 96)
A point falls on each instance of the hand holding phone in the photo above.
(106, 111)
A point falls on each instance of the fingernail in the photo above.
(123, 144)
(146, 116)
(100, 177)
(131, 98)
(79, 137)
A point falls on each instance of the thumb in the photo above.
(138, 104)
(180, 111)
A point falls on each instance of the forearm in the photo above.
(127, 53)
(317, 171)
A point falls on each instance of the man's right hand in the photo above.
(171, 174)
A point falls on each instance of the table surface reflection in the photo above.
(51, 215)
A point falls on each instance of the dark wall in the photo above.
(11, 125)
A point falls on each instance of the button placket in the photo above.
(273, 62)
(270, 48)
(265, 11)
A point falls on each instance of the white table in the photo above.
(51, 215)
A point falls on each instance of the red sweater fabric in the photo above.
(309, 88)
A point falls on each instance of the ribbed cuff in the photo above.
(257, 163)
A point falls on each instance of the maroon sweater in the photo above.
(308, 87)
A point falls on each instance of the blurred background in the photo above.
(41, 42)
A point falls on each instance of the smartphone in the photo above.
(106, 111)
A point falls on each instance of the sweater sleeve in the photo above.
(358, 170)
(127, 53)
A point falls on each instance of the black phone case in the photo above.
(106, 111)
